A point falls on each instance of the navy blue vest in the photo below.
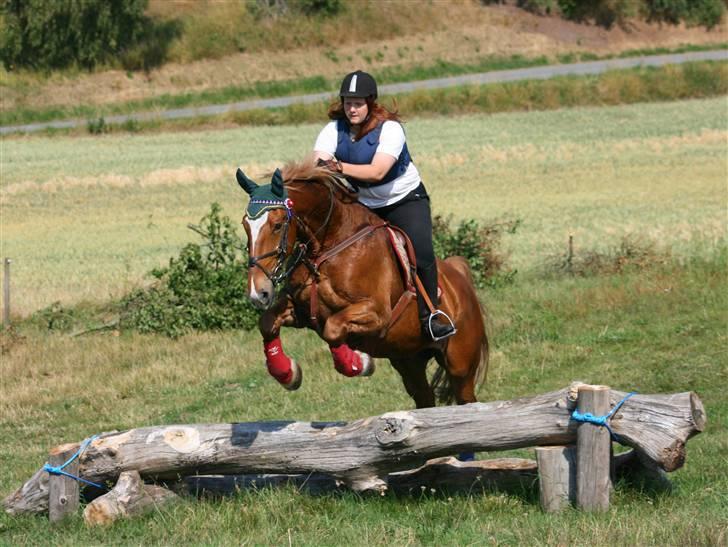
(361, 152)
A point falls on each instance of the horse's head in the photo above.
(272, 225)
(271, 235)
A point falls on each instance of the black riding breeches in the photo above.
(412, 214)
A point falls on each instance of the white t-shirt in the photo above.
(391, 142)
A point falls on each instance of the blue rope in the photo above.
(589, 418)
(60, 469)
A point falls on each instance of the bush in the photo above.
(632, 253)
(697, 12)
(480, 245)
(275, 8)
(42, 34)
(202, 289)
(609, 12)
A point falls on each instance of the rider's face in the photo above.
(356, 110)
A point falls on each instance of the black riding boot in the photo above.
(438, 325)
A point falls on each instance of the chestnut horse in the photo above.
(320, 259)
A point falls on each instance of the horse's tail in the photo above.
(440, 382)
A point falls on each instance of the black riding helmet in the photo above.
(358, 84)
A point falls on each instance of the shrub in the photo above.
(632, 253)
(275, 8)
(45, 35)
(609, 12)
(479, 244)
(697, 12)
(97, 126)
(202, 289)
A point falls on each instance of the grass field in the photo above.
(83, 219)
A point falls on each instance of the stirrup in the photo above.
(432, 317)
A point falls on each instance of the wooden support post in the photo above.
(556, 477)
(6, 292)
(63, 491)
(593, 451)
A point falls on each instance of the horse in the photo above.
(319, 259)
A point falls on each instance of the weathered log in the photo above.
(447, 475)
(444, 475)
(129, 498)
(364, 452)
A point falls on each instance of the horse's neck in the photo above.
(345, 218)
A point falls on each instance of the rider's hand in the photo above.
(332, 165)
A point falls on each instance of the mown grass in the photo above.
(84, 219)
(660, 329)
(320, 84)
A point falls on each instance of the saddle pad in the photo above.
(400, 249)
(399, 244)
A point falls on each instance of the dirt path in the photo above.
(535, 73)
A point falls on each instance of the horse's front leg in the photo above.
(284, 369)
(361, 318)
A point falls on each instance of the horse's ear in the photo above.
(276, 183)
(244, 182)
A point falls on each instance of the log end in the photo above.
(69, 448)
(698, 412)
(673, 456)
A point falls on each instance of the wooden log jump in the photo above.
(365, 453)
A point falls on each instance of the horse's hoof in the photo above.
(296, 379)
(367, 364)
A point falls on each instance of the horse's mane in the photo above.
(307, 171)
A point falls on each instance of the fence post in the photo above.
(556, 477)
(593, 451)
(6, 292)
(63, 492)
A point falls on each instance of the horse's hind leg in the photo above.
(463, 362)
(414, 377)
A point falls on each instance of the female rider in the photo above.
(366, 143)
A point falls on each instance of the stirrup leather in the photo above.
(432, 317)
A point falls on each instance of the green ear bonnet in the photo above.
(265, 197)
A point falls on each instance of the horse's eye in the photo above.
(277, 226)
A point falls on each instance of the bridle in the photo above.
(287, 262)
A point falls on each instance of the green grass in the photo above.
(83, 219)
(658, 330)
(311, 84)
